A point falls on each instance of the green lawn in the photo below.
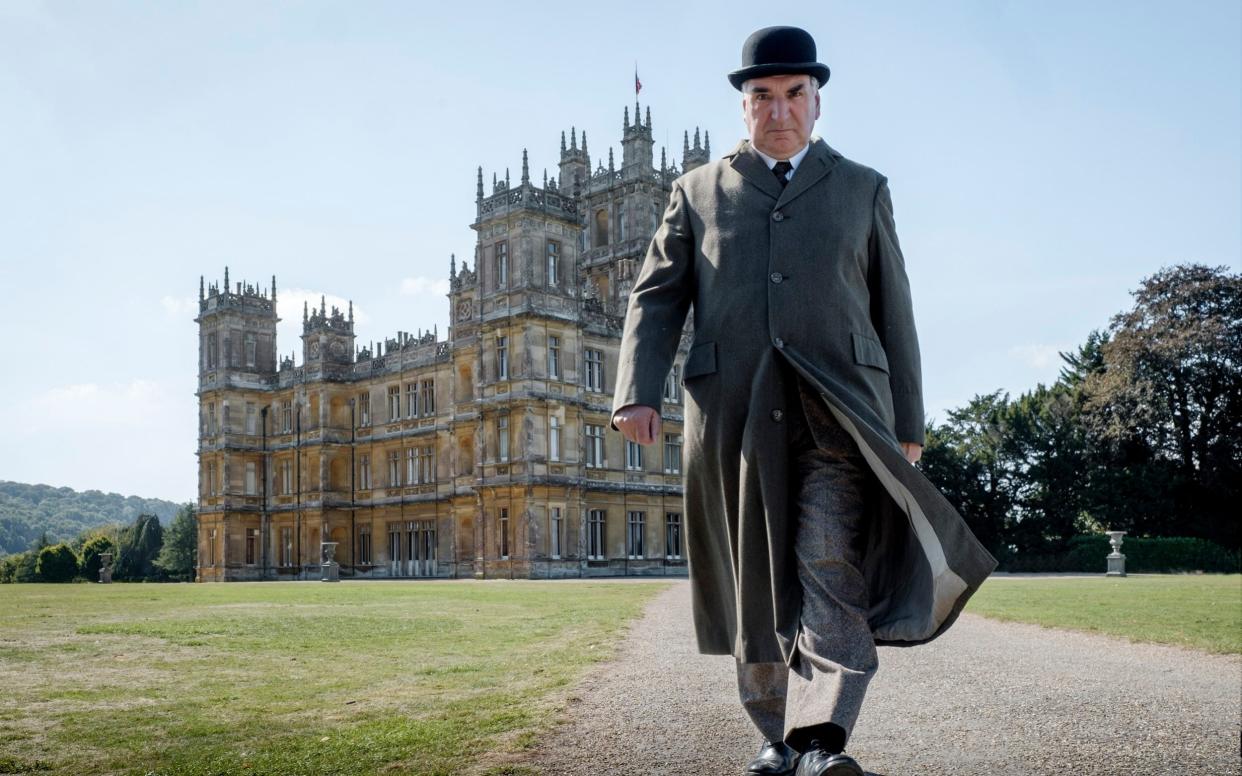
(1192, 610)
(293, 678)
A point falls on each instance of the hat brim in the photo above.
(819, 71)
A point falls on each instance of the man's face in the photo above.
(780, 111)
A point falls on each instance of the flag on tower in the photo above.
(638, 85)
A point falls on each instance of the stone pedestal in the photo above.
(331, 569)
(1116, 561)
(105, 568)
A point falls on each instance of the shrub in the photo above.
(1154, 555)
(57, 563)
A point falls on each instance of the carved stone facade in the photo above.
(484, 454)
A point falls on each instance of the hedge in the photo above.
(1087, 554)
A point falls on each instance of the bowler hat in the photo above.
(778, 51)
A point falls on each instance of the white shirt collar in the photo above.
(794, 160)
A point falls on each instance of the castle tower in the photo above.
(636, 145)
(237, 333)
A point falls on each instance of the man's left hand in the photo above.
(913, 451)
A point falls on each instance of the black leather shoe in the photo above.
(819, 762)
(774, 759)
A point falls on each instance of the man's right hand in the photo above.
(638, 423)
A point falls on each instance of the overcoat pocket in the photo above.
(869, 352)
(701, 360)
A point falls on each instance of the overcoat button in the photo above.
(778, 216)
(776, 277)
(777, 415)
(778, 342)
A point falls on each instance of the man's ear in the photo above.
(817, 104)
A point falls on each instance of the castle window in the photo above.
(252, 541)
(502, 265)
(427, 464)
(672, 535)
(633, 455)
(286, 416)
(672, 385)
(211, 418)
(555, 533)
(286, 477)
(554, 438)
(364, 545)
(225, 419)
(601, 228)
(212, 358)
(554, 357)
(251, 480)
(502, 436)
(636, 524)
(364, 409)
(595, 446)
(554, 252)
(394, 403)
(672, 453)
(504, 533)
(364, 472)
(502, 358)
(410, 462)
(394, 468)
(250, 350)
(429, 398)
(594, 369)
(411, 399)
(286, 546)
(211, 549)
(250, 419)
(595, 534)
(620, 222)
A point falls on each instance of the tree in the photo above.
(19, 567)
(965, 458)
(1169, 394)
(57, 563)
(91, 552)
(140, 545)
(180, 553)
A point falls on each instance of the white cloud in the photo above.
(424, 285)
(135, 405)
(1038, 356)
(179, 306)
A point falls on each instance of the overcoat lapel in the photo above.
(818, 162)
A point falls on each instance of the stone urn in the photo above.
(331, 569)
(105, 567)
(1116, 561)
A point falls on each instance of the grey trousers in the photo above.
(836, 652)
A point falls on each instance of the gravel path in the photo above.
(986, 698)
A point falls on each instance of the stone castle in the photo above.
(485, 454)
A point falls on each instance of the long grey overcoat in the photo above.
(813, 275)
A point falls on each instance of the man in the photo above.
(810, 536)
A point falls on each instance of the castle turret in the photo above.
(327, 337)
(237, 332)
(636, 146)
(575, 166)
(698, 155)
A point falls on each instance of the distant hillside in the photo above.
(28, 510)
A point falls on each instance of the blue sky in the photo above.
(1043, 159)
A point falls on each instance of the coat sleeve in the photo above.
(657, 309)
(892, 315)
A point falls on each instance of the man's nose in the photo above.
(780, 109)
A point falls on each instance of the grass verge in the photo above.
(1201, 611)
(366, 677)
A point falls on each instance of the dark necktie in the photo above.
(779, 170)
